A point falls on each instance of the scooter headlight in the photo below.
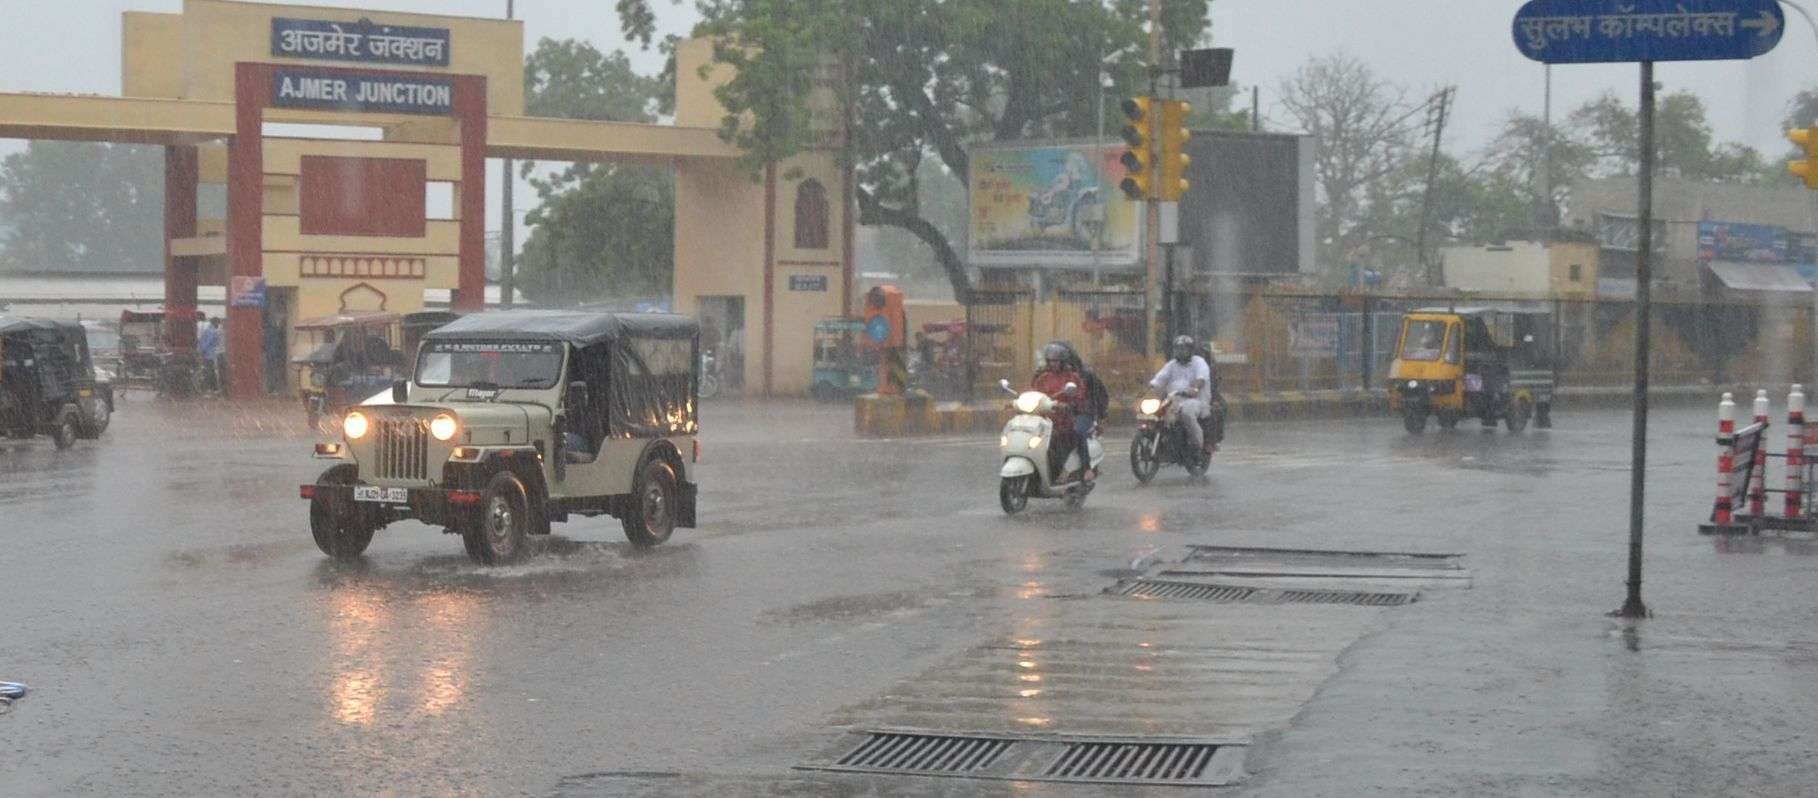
(1035, 443)
(1029, 402)
(355, 425)
(443, 427)
(1150, 407)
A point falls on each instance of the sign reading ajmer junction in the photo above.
(327, 225)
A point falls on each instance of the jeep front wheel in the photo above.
(341, 529)
(499, 533)
(651, 517)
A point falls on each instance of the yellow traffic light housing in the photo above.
(1139, 138)
(1174, 158)
(1807, 168)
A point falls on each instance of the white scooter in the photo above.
(1025, 443)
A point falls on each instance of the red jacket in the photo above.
(1051, 383)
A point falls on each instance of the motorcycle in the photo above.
(1158, 443)
(1024, 445)
(1080, 211)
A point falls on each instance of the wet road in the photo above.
(184, 637)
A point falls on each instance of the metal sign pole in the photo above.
(1632, 606)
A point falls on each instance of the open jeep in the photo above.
(516, 419)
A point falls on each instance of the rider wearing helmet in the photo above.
(1190, 377)
(1056, 371)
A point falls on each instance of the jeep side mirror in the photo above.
(400, 392)
(577, 394)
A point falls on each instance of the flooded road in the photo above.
(183, 636)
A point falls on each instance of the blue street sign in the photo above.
(878, 329)
(1603, 31)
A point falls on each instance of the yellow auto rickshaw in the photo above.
(345, 358)
(1486, 363)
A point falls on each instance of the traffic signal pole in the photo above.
(1152, 202)
(1632, 607)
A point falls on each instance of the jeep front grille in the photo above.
(400, 449)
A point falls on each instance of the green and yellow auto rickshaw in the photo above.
(1484, 363)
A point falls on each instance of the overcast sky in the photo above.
(74, 46)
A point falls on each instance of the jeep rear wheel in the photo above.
(651, 517)
(339, 527)
(499, 533)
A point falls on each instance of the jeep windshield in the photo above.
(490, 364)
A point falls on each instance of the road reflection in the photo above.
(408, 655)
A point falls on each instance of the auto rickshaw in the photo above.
(840, 368)
(346, 358)
(47, 382)
(1484, 363)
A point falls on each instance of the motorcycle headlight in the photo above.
(1150, 406)
(1035, 443)
(443, 427)
(1029, 402)
(355, 425)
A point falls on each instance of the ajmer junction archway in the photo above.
(296, 226)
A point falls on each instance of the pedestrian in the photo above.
(210, 347)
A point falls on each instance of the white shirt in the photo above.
(1176, 376)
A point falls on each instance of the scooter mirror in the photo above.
(1005, 384)
(1070, 388)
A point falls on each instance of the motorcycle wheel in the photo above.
(1143, 460)
(1414, 422)
(1013, 494)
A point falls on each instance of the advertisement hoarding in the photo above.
(1742, 243)
(1055, 205)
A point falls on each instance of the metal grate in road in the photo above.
(1210, 591)
(1156, 588)
(1133, 763)
(924, 753)
(1361, 598)
(1325, 557)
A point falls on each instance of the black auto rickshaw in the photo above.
(47, 382)
(1492, 364)
(346, 358)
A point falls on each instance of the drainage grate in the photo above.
(1191, 761)
(1131, 763)
(1345, 597)
(1202, 591)
(924, 753)
(1328, 557)
(1151, 588)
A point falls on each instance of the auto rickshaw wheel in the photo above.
(97, 419)
(336, 522)
(651, 519)
(1543, 415)
(1414, 421)
(1521, 408)
(68, 428)
(499, 533)
(1448, 420)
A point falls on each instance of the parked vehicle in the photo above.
(104, 348)
(710, 375)
(148, 361)
(1158, 443)
(841, 370)
(1024, 444)
(514, 420)
(47, 382)
(1484, 363)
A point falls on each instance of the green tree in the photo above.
(1684, 143)
(922, 78)
(1536, 164)
(83, 207)
(600, 230)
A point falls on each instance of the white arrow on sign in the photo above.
(1767, 23)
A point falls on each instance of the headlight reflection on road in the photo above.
(365, 630)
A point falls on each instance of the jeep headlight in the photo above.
(355, 425)
(1150, 406)
(317, 379)
(443, 427)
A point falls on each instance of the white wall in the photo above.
(1516, 267)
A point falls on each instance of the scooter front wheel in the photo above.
(1013, 494)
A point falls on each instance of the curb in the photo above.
(876, 416)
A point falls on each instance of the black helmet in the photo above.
(1183, 348)
(1056, 352)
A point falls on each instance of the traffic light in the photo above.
(1806, 168)
(1174, 159)
(1138, 160)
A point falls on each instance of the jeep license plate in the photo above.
(374, 493)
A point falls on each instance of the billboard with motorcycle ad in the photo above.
(1052, 205)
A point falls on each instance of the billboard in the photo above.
(1250, 206)
(1051, 205)
(1743, 243)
